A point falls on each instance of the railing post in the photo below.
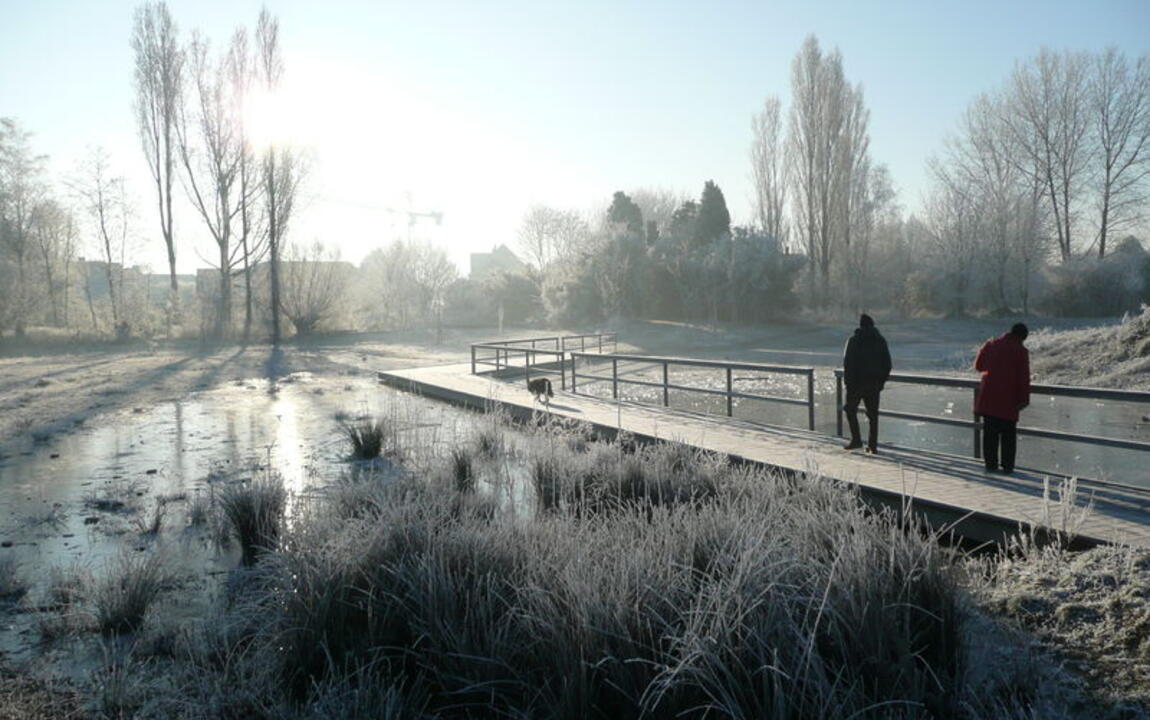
(562, 370)
(666, 397)
(527, 364)
(810, 399)
(599, 338)
(977, 429)
(614, 378)
(838, 404)
(730, 400)
(583, 343)
(472, 359)
(573, 375)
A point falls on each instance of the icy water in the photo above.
(1120, 420)
(70, 507)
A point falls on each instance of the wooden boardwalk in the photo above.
(948, 490)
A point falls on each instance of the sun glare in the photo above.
(270, 120)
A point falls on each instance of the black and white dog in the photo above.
(541, 389)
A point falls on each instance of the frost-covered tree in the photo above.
(159, 71)
(768, 167)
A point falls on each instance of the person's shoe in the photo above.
(1007, 471)
(871, 450)
(992, 468)
(853, 445)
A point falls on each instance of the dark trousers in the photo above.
(868, 395)
(995, 430)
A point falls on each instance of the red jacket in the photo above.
(1005, 385)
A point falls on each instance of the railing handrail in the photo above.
(548, 338)
(975, 424)
(1035, 389)
(697, 362)
(729, 393)
(540, 351)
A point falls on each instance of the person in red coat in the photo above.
(1003, 391)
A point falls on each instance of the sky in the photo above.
(479, 110)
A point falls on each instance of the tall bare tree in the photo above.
(159, 75)
(827, 146)
(252, 241)
(282, 168)
(768, 166)
(1049, 120)
(212, 152)
(1120, 101)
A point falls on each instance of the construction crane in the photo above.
(412, 216)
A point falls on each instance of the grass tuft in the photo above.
(255, 512)
(368, 436)
(463, 469)
(122, 598)
(12, 585)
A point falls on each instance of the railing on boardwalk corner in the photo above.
(976, 425)
(508, 352)
(667, 362)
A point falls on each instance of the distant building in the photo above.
(500, 259)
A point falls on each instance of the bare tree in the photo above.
(314, 281)
(826, 146)
(548, 234)
(159, 89)
(252, 240)
(1049, 119)
(985, 157)
(212, 151)
(433, 273)
(1120, 100)
(952, 223)
(54, 236)
(105, 199)
(658, 206)
(282, 167)
(768, 166)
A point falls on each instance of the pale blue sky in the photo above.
(481, 109)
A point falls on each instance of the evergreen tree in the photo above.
(713, 220)
(624, 211)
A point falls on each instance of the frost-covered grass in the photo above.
(121, 599)
(648, 582)
(623, 582)
(1115, 356)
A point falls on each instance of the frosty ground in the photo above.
(1090, 610)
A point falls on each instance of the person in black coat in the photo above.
(866, 367)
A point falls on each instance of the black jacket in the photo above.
(866, 361)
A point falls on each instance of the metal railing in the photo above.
(976, 425)
(666, 362)
(506, 352)
(505, 355)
